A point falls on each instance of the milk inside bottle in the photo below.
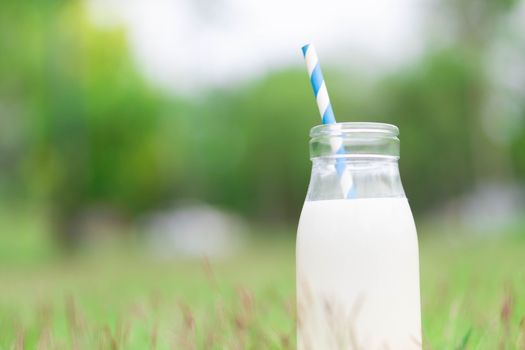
(357, 250)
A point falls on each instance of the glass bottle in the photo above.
(357, 250)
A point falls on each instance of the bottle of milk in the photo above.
(357, 249)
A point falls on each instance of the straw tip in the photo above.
(305, 48)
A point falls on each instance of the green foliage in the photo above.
(256, 145)
(434, 104)
(88, 123)
(81, 127)
(518, 151)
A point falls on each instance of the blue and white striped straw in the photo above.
(327, 115)
(318, 84)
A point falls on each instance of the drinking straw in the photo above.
(327, 115)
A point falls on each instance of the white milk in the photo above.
(358, 275)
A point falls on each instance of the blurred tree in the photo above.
(253, 153)
(473, 30)
(80, 127)
(441, 104)
(91, 123)
(429, 101)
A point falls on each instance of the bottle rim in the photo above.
(338, 129)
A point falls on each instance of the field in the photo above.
(473, 297)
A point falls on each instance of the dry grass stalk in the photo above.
(210, 274)
(108, 336)
(154, 335)
(506, 311)
(186, 340)
(20, 339)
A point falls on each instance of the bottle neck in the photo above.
(354, 160)
(368, 177)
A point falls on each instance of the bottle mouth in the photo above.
(354, 140)
(349, 128)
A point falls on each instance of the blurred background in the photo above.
(115, 112)
(180, 127)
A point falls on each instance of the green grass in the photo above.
(473, 297)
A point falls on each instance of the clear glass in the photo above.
(371, 152)
(357, 251)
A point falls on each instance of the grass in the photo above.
(473, 297)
